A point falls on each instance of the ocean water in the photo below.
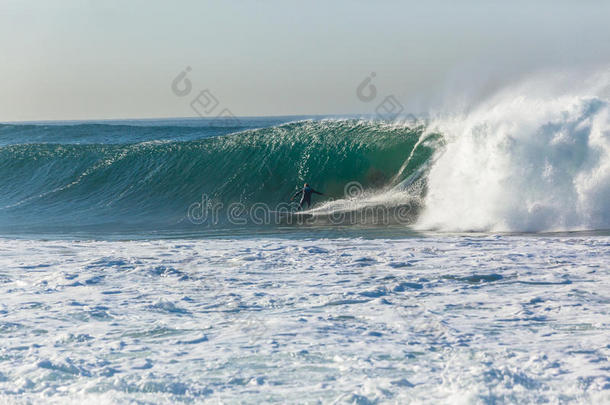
(496, 319)
(453, 258)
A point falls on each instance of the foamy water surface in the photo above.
(435, 320)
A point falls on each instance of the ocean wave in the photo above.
(155, 182)
(534, 157)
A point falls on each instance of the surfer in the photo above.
(307, 191)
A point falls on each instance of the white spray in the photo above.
(535, 157)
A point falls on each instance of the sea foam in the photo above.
(534, 157)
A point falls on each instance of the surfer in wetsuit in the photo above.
(307, 191)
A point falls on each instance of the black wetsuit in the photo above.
(306, 198)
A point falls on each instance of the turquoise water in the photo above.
(140, 178)
(162, 261)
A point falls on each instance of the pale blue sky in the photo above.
(77, 59)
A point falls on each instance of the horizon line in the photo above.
(76, 120)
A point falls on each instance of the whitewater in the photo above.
(534, 157)
(450, 320)
(463, 257)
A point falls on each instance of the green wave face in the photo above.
(153, 183)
